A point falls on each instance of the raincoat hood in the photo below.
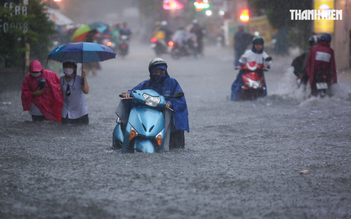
(158, 79)
(35, 66)
(154, 68)
(324, 43)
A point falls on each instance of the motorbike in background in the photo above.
(106, 40)
(145, 129)
(160, 46)
(320, 84)
(254, 83)
(123, 46)
(187, 49)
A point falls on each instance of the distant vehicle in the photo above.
(187, 49)
(320, 85)
(123, 46)
(160, 47)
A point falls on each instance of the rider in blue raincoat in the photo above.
(161, 82)
(257, 55)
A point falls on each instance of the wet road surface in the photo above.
(242, 159)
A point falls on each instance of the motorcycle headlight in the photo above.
(151, 101)
(254, 84)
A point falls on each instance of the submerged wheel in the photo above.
(322, 93)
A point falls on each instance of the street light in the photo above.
(208, 12)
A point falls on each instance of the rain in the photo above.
(286, 155)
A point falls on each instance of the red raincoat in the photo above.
(50, 103)
(321, 59)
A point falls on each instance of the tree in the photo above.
(41, 31)
(36, 29)
(278, 14)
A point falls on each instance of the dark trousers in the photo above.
(38, 118)
(84, 120)
(177, 139)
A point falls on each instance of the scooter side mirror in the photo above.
(268, 59)
(178, 94)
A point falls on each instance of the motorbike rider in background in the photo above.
(160, 34)
(164, 28)
(160, 81)
(184, 39)
(199, 32)
(125, 30)
(256, 54)
(321, 60)
(241, 40)
(300, 61)
(115, 33)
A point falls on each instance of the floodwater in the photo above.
(241, 159)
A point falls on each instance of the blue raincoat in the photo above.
(167, 88)
(252, 55)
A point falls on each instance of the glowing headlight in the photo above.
(254, 84)
(151, 101)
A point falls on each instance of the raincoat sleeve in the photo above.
(140, 86)
(333, 68)
(55, 97)
(180, 108)
(243, 58)
(265, 55)
(309, 67)
(26, 95)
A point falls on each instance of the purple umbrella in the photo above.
(82, 52)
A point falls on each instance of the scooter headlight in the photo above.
(254, 84)
(151, 101)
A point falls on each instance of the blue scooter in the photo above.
(145, 129)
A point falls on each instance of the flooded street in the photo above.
(241, 159)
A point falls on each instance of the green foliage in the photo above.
(39, 34)
(10, 47)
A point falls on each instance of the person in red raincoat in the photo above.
(44, 104)
(321, 59)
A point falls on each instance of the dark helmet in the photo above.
(313, 40)
(69, 62)
(156, 61)
(325, 37)
(257, 39)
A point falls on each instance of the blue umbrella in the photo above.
(82, 52)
